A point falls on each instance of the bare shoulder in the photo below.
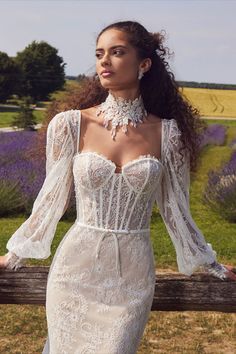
(154, 122)
(154, 118)
(88, 114)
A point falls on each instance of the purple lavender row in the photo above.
(213, 135)
(220, 192)
(21, 176)
(25, 174)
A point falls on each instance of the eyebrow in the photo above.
(113, 47)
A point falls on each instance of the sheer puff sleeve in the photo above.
(34, 237)
(172, 198)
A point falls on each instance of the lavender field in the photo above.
(220, 191)
(215, 134)
(21, 177)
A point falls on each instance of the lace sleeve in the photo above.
(34, 237)
(172, 198)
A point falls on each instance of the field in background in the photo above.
(211, 102)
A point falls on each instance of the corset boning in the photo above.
(115, 200)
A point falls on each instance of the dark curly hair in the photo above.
(159, 90)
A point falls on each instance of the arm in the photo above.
(34, 237)
(172, 198)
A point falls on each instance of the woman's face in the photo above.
(115, 54)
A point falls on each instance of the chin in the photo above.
(111, 85)
(107, 85)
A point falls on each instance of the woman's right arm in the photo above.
(34, 237)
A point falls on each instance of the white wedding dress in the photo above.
(101, 282)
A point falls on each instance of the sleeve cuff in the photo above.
(13, 261)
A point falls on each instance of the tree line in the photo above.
(208, 85)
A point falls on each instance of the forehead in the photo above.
(112, 37)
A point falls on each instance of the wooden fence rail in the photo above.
(173, 291)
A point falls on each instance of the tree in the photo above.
(25, 118)
(42, 70)
(8, 76)
(80, 77)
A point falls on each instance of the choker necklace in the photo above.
(120, 111)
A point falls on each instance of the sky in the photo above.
(200, 33)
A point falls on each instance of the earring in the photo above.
(140, 75)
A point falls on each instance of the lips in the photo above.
(106, 72)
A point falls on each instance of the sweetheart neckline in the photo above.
(140, 157)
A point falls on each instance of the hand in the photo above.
(11, 261)
(230, 274)
(220, 270)
(3, 261)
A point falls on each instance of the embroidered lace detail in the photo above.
(119, 111)
(173, 200)
(216, 269)
(96, 309)
(115, 200)
(14, 262)
(140, 157)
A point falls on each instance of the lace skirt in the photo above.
(100, 290)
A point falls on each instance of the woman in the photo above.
(101, 281)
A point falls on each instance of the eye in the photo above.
(118, 51)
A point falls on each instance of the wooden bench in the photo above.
(173, 291)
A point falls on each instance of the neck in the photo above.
(120, 110)
(126, 95)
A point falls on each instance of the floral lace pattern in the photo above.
(120, 111)
(173, 200)
(91, 308)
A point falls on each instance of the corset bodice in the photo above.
(115, 200)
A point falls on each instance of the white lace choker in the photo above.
(120, 111)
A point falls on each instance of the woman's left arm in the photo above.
(172, 198)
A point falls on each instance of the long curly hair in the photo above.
(158, 87)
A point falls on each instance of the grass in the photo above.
(189, 332)
(23, 327)
(7, 117)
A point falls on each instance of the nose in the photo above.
(105, 60)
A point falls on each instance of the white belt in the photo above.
(113, 232)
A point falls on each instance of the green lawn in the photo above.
(23, 327)
(7, 117)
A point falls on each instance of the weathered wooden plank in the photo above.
(200, 292)
(173, 291)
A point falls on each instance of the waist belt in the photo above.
(114, 233)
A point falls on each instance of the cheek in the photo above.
(128, 67)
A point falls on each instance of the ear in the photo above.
(145, 65)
